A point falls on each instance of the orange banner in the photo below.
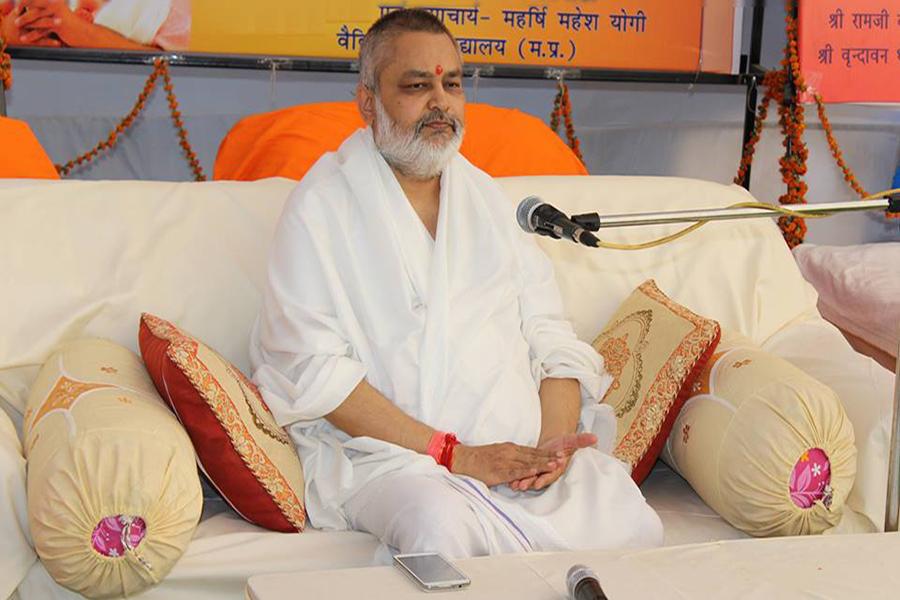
(627, 34)
(613, 34)
(850, 49)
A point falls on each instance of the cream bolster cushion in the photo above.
(764, 444)
(113, 491)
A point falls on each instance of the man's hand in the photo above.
(494, 464)
(563, 446)
(11, 31)
(45, 17)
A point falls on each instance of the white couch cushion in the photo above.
(17, 555)
(84, 259)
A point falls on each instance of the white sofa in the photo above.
(86, 258)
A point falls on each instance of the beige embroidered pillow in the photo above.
(654, 348)
(113, 490)
(764, 444)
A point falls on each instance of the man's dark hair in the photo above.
(384, 30)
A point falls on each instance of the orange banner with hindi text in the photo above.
(850, 49)
(660, 35)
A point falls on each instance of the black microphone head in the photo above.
(524, 212)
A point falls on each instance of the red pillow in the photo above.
(23, 156)
(241, 449)
(286, 143)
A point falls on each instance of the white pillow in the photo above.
(859, 289)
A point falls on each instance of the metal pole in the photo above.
(892, 503)
(594, 221)
(750, 68)
(2, 101)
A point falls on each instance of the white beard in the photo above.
(407, 151)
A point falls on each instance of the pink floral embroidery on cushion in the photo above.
(811, 479)
(113, 536)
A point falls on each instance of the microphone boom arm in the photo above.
(595, 222)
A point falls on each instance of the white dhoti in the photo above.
(458, 332)
(593, 507)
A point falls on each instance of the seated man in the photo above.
(403, 303)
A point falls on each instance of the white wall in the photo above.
(624, 128)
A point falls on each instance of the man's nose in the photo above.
(439, 98)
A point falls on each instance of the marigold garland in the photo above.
(562, 108)
(849, 176)
(783, 86)
(160, 68)
(189, 153)
(6, 78)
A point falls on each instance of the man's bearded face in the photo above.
(417, 119)
(423, 150)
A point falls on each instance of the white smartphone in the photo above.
(431, 571)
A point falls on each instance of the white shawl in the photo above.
(457, 331)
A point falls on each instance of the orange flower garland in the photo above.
(160, 68)
(6, 79)
(849, 176)
(791, 118)
(562, 108)
(123, 126)
(189, 153)
(783, 86)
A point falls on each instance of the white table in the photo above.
(843, 567)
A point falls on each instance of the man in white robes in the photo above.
(402, 305)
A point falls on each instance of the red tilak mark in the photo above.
(438, 70)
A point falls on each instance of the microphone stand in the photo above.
(891, 204)
(594, 222)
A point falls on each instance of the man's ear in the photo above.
(365, 100)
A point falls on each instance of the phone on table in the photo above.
(431, 571)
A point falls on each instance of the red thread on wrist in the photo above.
(450, 443)
(440, 448)
(436, 446)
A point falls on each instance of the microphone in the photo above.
(536, 216)
(582, 584)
